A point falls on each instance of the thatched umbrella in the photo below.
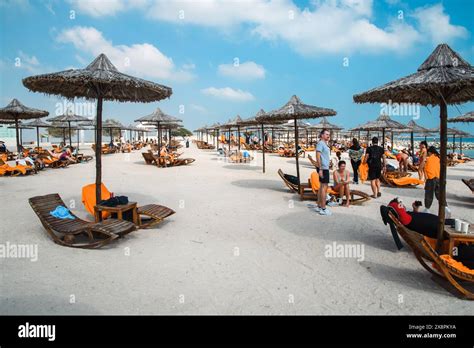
(16, 111)
(157, 118)
(232, 124)
(69, 117)
(453, 132)
(468, 117)
(38, 123)
(215, 129)
(111, 125)
(294, 110)
(252, 121)
(443, 78)
(324, 124)
(170, 126)
(20, 127)
(383, 123)
(415, 128)
(102, 81)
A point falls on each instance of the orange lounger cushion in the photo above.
(88, 198)
(456, 264)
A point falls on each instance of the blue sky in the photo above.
(323, 51)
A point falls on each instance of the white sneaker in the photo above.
(332, 204)
(317, 209)
(325, 211)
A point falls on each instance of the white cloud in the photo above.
(229, 93)
(29, 63)
(436, 24)
(103, 8)
(326, 26)
(138, 59)
(244, 71)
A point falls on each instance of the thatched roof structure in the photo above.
(443, 75)
(417, 129)
(383, 122)
(99, 79)
(325, 124)
(37, 123)
(468, 117)
(69, 117)
(102, 81)
(15, 110)
(156, 117)
(113, 124)
(232, 123)
(295, 108)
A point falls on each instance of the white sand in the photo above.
(240, 243)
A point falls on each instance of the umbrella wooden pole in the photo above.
(296, 156)
(412, 140)
(229, 141)
(454, 143)
(169, 136)
(98, 152)
(263, 152)
(111, 135)
(460, 145)
(238, 137)
(77, 149)
(70, 137)
(442, 177)
(383, 137)
(391, 139)
(17, 131)
(37, 137)
(64, 136)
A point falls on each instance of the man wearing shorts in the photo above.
(323, 154)
(375, 158)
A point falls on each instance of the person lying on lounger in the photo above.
(342, 177)
(423, 223)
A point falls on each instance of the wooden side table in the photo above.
(119, 210)
(454, 236)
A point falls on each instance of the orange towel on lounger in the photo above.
(88, 198)
(407, 181)
(456, 264)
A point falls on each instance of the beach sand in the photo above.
(239, 243)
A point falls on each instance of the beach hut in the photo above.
(100, 80)
(16, 111)
(295, 110)
(443, 78)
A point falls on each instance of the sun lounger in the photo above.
(65, 232)
(357, 197)
(441, 265)
(469, 183)
(305, 191)
(6, 169)
(154, 213)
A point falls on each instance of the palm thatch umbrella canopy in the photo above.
(69, 117)
(294, 110)
(468, 117)
(232, 124)
(102, 81)
(111, 125)
(325, 124)
(16, 111)
(156, 118)
(38, 123)
(383, 123)
(443, 78)
(414, 128)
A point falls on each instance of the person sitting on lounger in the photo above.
(66, 155)
(3, 147)
(423, 223)
(342, 177)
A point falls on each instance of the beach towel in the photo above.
(88, 198)
(61, 212)
(363, 172)
(407, 181)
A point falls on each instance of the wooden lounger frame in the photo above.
(156, 214)
(63, 231)
(469, 183)
(424, 253)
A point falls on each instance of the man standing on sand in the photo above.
(323, 154)
(375, 158)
